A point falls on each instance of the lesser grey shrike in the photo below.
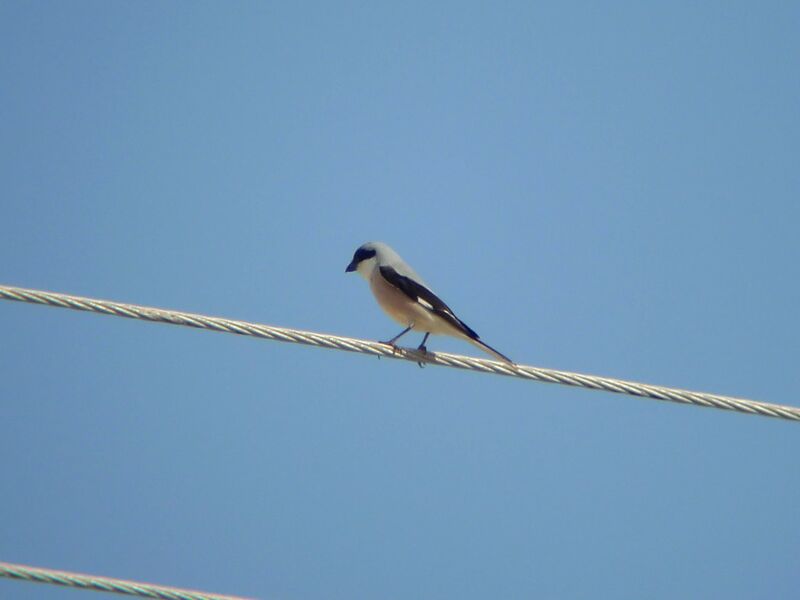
(406, 298)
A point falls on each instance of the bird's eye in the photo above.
(363, 254)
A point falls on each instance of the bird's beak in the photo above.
(351, 267)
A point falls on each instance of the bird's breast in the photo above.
(403, 309)
(393, 302)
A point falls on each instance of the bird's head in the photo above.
(365, 258)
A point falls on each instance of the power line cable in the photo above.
(104, 584)
(283, 334)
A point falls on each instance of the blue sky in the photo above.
(602, 188)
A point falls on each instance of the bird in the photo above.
(406, 298)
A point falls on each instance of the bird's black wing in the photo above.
(419, 293)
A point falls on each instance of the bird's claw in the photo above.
(395, 347)
(424, 350)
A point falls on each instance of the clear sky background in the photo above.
(609, 188)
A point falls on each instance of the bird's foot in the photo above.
(395, 347)
(424, 350)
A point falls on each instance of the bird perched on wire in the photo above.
(404, 296)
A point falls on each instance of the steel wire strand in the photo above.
(457, 361)
(104, 584)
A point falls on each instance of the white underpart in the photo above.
(366, 267)
(417, 314)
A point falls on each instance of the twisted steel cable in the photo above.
(104, 584)
(457, 361)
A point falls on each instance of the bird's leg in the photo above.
(392, 341)
(422, 347)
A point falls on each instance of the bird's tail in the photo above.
(489, 350)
